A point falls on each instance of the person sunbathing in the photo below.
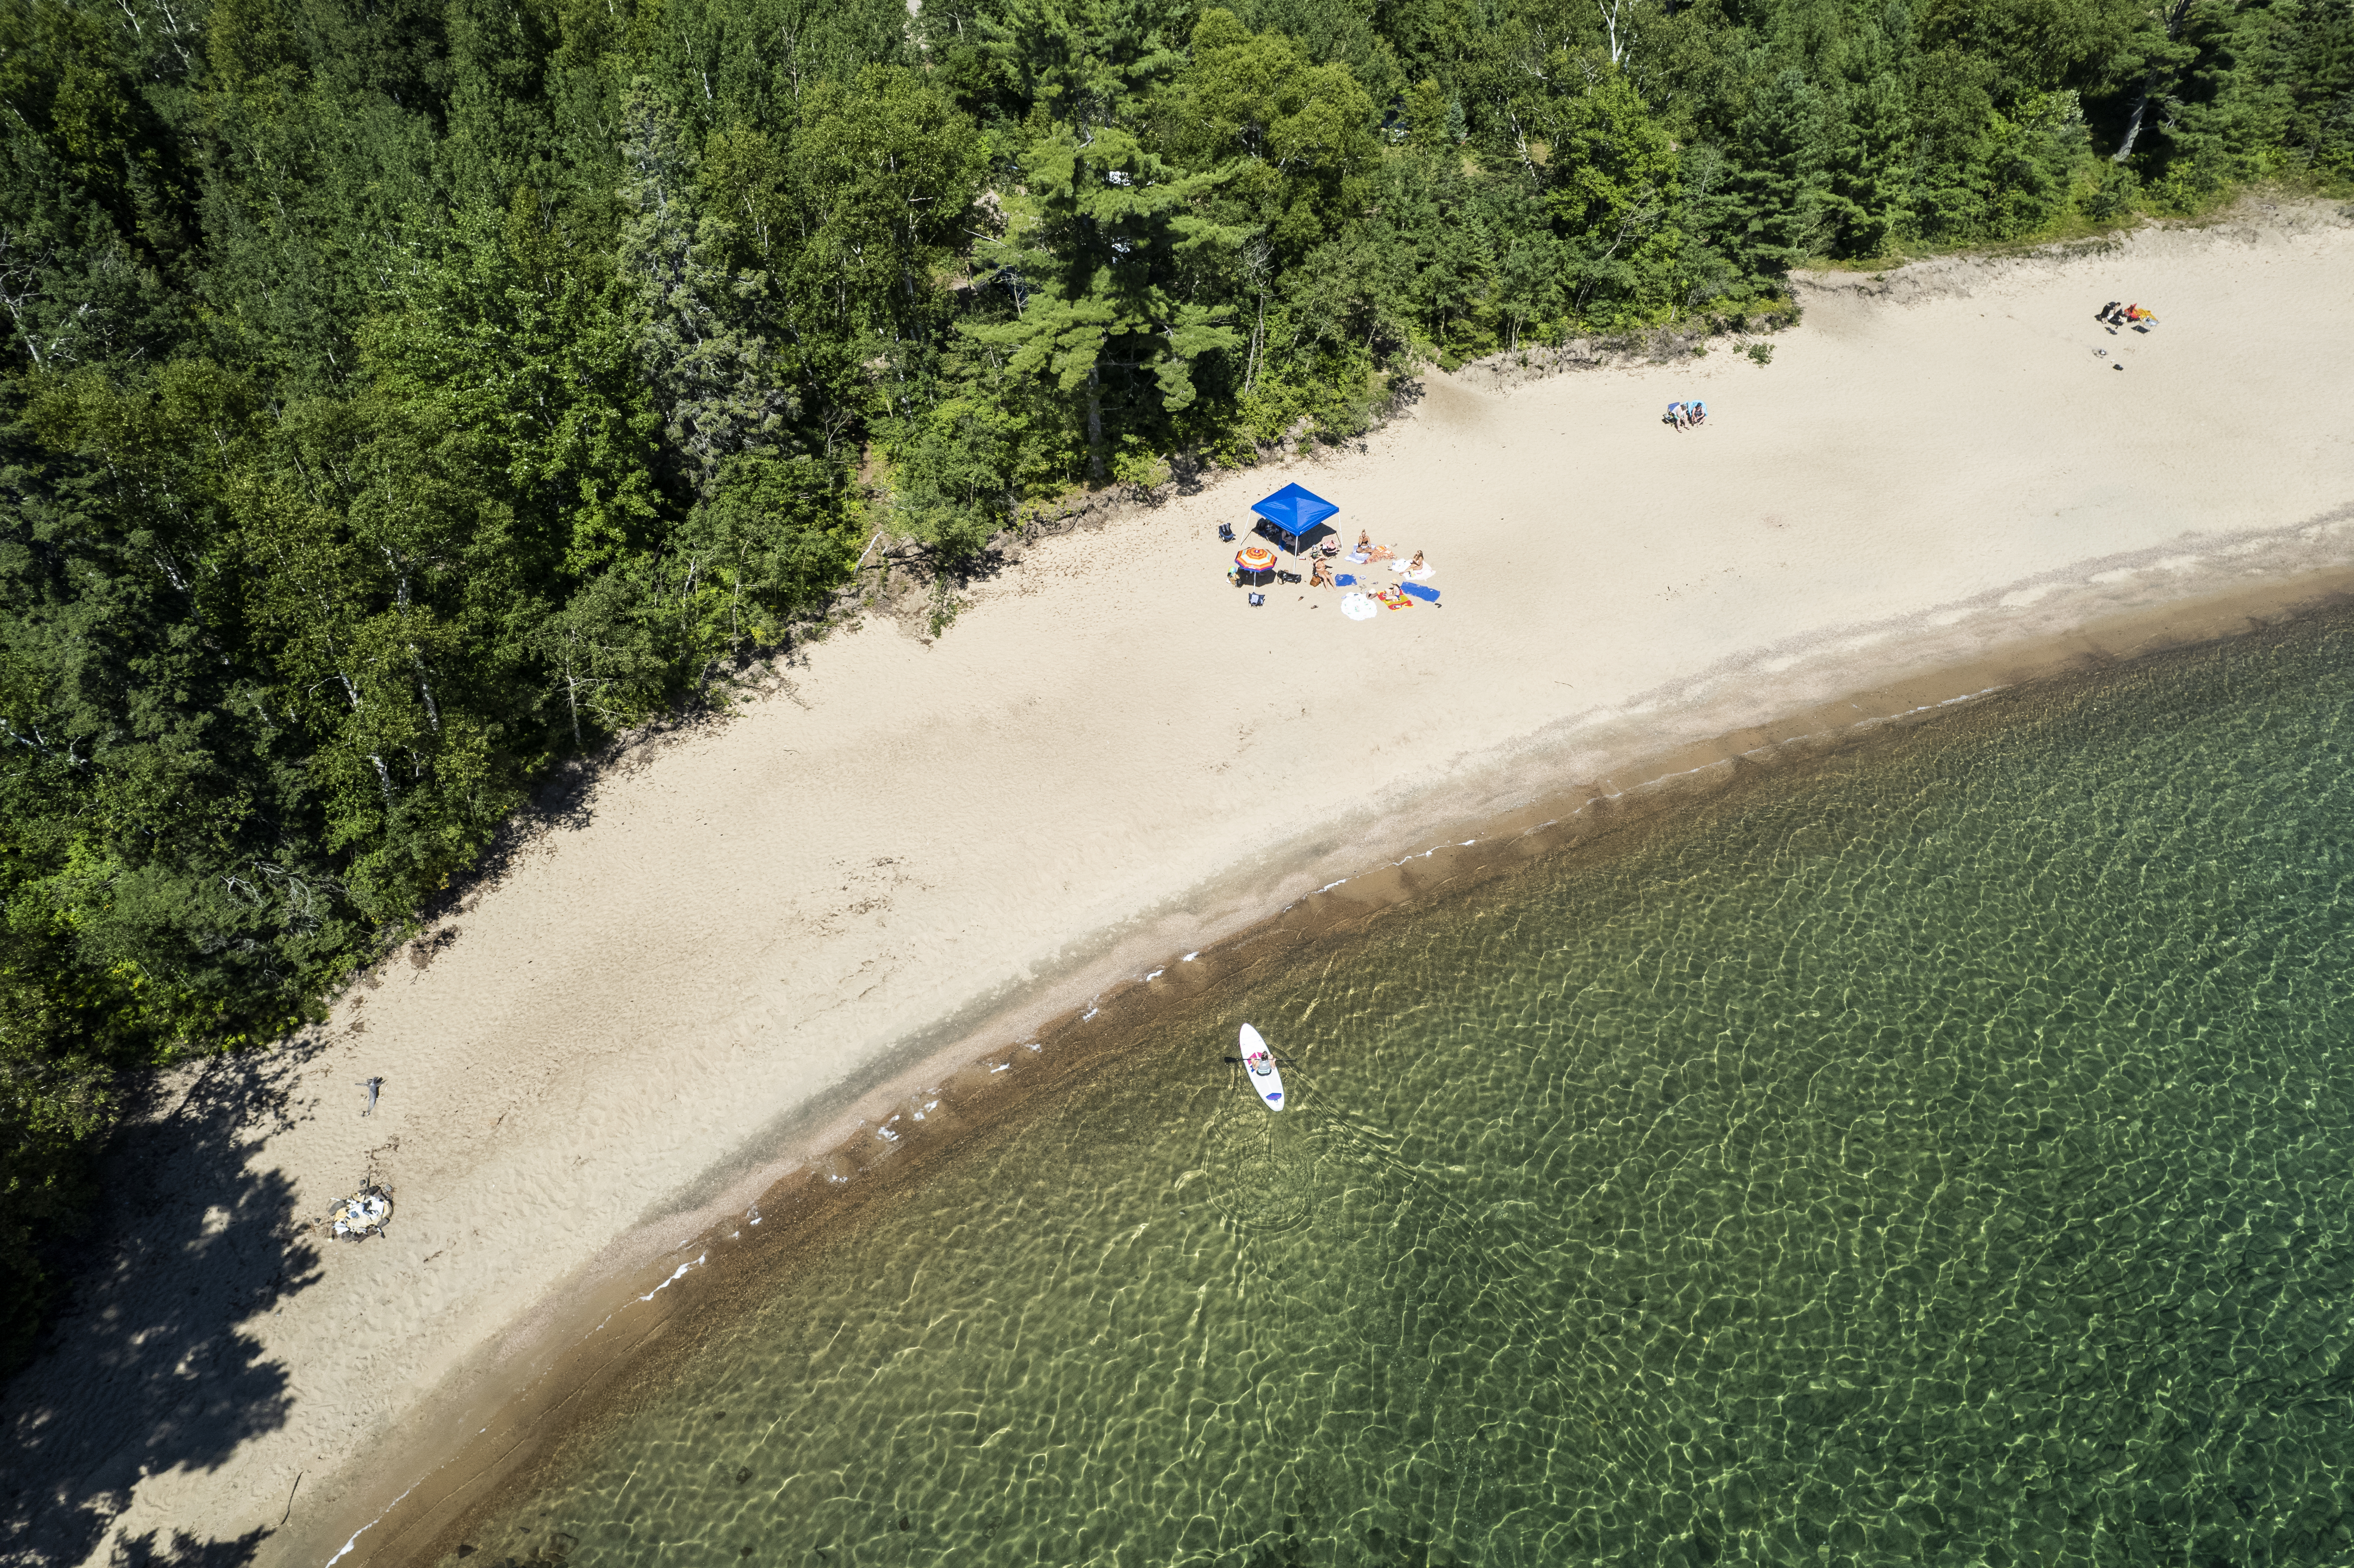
(1316, 577)
(1416, 566)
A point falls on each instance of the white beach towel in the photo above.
(1359, 607)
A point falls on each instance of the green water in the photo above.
(1943, 1155)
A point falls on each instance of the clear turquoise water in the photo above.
(1944, 1155)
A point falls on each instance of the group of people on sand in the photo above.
(1325, 568)
(1327, 565)
(1688, 416)
(2114, 315)
(1325, 561)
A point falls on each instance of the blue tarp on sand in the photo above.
(1295, 513)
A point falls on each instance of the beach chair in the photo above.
(1226, 533)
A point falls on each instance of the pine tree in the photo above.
(709, 370)
(1092, 243)
(1780, 190)
(1611, 182)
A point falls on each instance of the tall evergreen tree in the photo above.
(1093, 248)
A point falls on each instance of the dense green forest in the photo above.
(399, 395)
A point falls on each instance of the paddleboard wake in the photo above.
(1258, 1065)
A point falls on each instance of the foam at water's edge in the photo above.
(371, 1524)
(678, 1274)
(1514, 797)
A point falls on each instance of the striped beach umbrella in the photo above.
(1254, 559)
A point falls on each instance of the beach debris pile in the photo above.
(363, 1215)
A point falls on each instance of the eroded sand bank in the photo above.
(750, 930)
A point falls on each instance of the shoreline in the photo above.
(750, 937)
(1014, 1062)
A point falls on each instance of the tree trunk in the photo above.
(1611, 26)
(433, 712)
(2177, 13)
(1258, 341)
(2132, 121)
(1095, 425)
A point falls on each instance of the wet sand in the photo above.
(754, 940)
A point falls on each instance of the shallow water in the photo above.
(1941, 1155)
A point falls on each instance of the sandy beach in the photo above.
(750, 935)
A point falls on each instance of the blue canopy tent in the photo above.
(1292, 515)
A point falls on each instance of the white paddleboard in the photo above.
(1258, 1065)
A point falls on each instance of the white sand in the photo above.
(1109, 759)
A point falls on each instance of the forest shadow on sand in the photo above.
(152, 1367)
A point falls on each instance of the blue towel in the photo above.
(1417, 592)
(1344, 580)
